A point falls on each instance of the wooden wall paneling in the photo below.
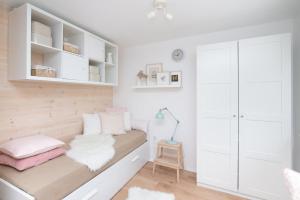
(43, 108)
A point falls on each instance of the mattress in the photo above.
(61, 176)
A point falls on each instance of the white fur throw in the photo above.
(293, 183)
(92, 150)
(136, 193)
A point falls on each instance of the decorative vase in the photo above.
(109, 58)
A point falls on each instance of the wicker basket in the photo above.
(71, 48)
(43, 71)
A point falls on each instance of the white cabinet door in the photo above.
(94, 48)
(217, 115)
(74, 67)
(265, 115)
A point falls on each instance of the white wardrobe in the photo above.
(244, 116)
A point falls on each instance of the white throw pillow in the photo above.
(140, 125)
(127, 121)
(293, 182)
(91, 124)
(112, 123)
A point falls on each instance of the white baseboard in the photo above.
(228, 191)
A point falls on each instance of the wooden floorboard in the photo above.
(164, 180)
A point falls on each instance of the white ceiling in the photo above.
(125, 22)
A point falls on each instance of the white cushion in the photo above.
(127, 121)
(91, 124)
(293, 183)
(140, 125)
(112, 123)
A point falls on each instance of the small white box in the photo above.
(41, 39)
(39, 28)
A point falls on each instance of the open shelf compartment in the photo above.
(110, 54)
(42, 35)
(49, 60)
(75, 37)
(96, 69)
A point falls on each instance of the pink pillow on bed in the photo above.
(126, 115)
(29, 146)
(25, 163)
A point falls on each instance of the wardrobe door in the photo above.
(265, 115)
(217, 115)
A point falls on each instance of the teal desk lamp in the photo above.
(160, 115)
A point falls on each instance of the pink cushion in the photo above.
(25, 163)
(29, 146)
(127, 116)
(112, 123)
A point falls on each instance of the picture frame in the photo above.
(152, 70)
(176, 78)
(163, 78)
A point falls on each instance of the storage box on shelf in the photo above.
(44, 63)
(43, 71)
(71, 48)
(58, 46)
(41, 33)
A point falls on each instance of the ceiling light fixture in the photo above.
(159, 6)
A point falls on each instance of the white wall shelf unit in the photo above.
(71, 68)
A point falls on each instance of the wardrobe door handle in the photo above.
(242, 116)
(234, 116)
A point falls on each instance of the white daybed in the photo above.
(63, 178)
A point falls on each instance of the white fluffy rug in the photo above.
(136, 193)
(93, 151)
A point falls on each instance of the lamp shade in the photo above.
(160, 115)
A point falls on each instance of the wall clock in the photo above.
(177, 55)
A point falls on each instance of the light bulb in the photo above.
(169, 16)
(151, 14)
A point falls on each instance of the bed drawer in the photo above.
(109, 182)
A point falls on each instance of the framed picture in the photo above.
(175, 78)
(163, 78)
(152, 70)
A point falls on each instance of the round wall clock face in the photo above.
(177, 55)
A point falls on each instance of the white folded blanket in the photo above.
(93, 151)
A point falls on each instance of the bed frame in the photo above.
(104, 186)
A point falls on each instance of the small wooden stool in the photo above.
(174, 162)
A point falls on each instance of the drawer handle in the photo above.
(90, 194)
(135, 158)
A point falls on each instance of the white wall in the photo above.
(145, 103)
(297, 93)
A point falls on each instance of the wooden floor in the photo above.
(164, 180)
